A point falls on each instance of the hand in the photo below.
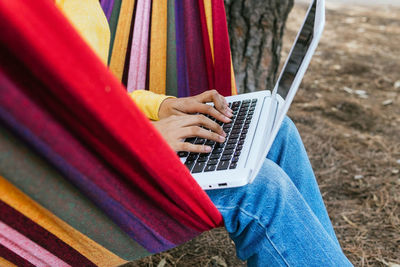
(196, 104)
(175, 129)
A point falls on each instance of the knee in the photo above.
(288, 129)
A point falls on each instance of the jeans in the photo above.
(280, 219)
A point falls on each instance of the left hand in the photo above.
(197, 104)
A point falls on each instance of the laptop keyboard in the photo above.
(223, 155)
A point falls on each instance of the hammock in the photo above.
(190, 37)
(67, 123)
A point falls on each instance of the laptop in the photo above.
(257, 117)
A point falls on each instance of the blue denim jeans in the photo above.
(280, 219)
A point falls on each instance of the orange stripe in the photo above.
(208, 10)
(6, 263)
(158, 47)
(119, 52)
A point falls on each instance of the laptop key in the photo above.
(235, 159)
(223, 165)
(183, 154)
(233, 166)
(210, 168)
(228, 152)
(209, 143)
(233, 136)
(236, 131)
(212, 162)
(230, 146)
(237, 153)
(226, 157)
(232, 141)
(200, 141)
(215, 156)
(217, 151)
(202, 159)
(193, 156)
(198, 167)
(189, 164)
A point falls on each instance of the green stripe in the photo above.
(40, 181)
(113, 25)
(172, 85)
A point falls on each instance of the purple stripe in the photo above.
(182, 79)
(195, 56)
(107, 6)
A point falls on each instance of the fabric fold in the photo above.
(90, 102)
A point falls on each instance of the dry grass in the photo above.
(352, 138)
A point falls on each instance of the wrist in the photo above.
(166, 107)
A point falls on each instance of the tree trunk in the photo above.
(256, 29)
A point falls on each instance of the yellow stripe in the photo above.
(158, 47)
(208, 11)
(6, 263)
(81, 243)
(118, 55)
(233, 81)
(89, 19)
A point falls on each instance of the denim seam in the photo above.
(261, 225)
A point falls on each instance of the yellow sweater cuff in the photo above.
(148, 102)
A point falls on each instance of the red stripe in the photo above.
(14, 258)
(207, 46)
(222, 53)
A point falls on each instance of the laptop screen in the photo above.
(298, 53)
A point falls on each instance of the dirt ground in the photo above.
(348, 114)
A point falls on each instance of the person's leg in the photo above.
(289, 153)
(272, 225)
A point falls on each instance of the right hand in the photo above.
(175, 129)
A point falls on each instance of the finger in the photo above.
(210, 110)
(221, 105)
(201, 120)
(219, 101)
(196, 131)
(184, 146)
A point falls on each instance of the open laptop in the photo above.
(257, 117)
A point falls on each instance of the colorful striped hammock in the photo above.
(178, 48)
(67, 123)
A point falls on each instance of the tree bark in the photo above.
(256, 29)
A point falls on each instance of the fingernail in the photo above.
(221, 138)
(229, 114)
(223, 134)
(207, 149)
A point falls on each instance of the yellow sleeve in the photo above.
(148, 102)
(89, 20)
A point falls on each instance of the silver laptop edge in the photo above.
(268, 116)
(319, 24)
